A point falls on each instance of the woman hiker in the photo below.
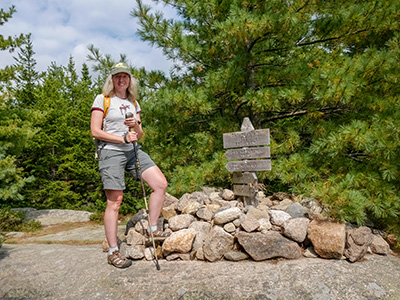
(116, 151)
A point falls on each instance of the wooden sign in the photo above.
(249, 165)
(244, 190)
(248, 153)
(246, 144)
(252, 138)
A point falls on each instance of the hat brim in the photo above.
(120, 70)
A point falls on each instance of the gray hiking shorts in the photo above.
(113, 164)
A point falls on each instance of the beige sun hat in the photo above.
(120, 67)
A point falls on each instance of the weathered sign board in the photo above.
(248, 153)
(246, 139)
(245, 178)
(247, 156)
(249, 165)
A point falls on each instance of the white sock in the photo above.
(112, 249)
(153, 228)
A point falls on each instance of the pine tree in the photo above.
(321, 75)
(60, 155)
(14, 131)
(27, 78)
(8, 44)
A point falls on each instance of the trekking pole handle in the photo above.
(127, 116)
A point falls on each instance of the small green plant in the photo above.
(1, 240)
(29, 226)
(97, 217)
(11, 220)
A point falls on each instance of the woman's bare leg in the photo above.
(158, 183)
(114, 200)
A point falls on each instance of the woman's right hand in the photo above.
(131, 137)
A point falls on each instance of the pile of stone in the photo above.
(212, 225)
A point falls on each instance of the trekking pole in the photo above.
(130, 115)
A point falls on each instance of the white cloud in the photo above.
(62, 28)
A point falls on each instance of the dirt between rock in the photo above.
(60, 266)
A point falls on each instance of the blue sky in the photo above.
(63, 28)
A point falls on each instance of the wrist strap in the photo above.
(125, 140)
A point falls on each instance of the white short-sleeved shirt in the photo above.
(114, 121)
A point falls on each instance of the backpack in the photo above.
(106, 105)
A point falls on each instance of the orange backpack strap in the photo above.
(107, 101)
(135, 103)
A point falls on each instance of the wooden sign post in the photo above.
(248, 146)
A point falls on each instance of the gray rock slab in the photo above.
(57, 216)
(42, 271)
(94, 233)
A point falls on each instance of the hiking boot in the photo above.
(117, 260)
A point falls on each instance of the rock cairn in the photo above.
(212, 225)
